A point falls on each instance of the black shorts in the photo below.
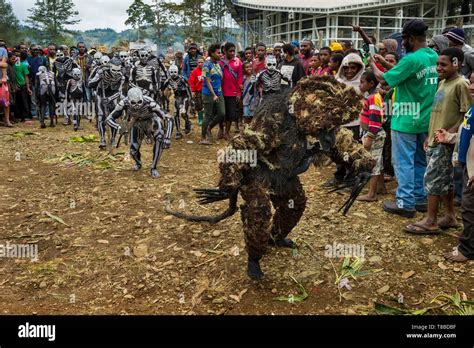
(230, 109)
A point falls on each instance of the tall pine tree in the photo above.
(139, 16)
(51, 17)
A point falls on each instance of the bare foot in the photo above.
(455, 256)
(367, 198)
(448, 222)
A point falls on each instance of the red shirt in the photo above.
(257, 67)
(230, 83)
(195, 80)
(324, 71)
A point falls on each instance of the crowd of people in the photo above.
(416, 119)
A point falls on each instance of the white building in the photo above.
(330, 20)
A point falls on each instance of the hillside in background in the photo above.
(172, 36)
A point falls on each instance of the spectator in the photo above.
(438, 43)
(351, 71)
(296, 45)
(34, 62)
(191, 61)
(416, 80)
(3, 62)
(373, 135)
(465, 158)
(212, 99)
(456, 38)
(451, 102)
(307, 51)
(248, 92)
(12, 59)
(315, 64)
(392, 59)
(387, 45)
(336, 47)
(346, 45)
(335, 62)
(388, 93)
(291, 68)
(231, 82)
(4, 87)
(195, 83)
(248, 54)
(22, 109)
(84, 62)
(277, 48)
(178, 61)
(259, 62)
(51, 56)
(325, 57)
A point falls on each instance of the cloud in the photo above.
(93, 13)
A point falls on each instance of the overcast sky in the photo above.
(93, 13)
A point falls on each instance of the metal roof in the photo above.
(315, 6)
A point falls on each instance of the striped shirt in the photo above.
(371, 116)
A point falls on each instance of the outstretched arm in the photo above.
(362, 33)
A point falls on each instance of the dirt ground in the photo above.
(118, 252)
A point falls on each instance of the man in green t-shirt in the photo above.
(416, 81)
(22, 108)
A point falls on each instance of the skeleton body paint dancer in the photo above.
(108, 82)
(182, 99)
(269, 80)
(75, 97)
(63, 67)
(146, 118)
(126, 68)
(144, 76)
(46, 95)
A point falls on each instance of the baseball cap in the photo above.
(415, 27)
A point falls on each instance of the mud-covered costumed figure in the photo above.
(286, 145)
(75, 97)
(108, 81)
(62, 69)
(46, 95)
(147, 120)
(182, 100)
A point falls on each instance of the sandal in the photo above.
(418, 228)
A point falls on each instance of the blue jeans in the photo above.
(409, 162)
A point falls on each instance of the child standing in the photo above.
(195, 82)
(248, 95)
(464, 155)
(373, 135)
(451, 102)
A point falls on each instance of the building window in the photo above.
(365, 22)
(307, 24)
(387, 22)
(345, 21)
(388, 12)
(321, 22)
(411, 11)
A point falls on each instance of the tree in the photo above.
(9, 24)
(140, 15)
(51, 17)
